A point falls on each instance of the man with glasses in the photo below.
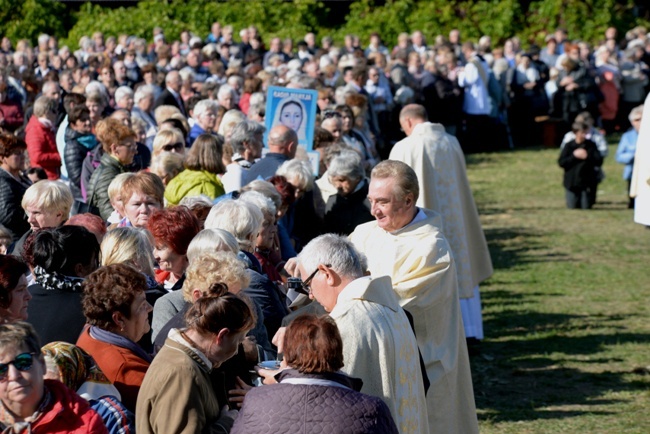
(405, 243)
(378, 342)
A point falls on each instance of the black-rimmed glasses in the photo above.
(305, 288)
(327, 114)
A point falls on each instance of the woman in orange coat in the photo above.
(117, 310)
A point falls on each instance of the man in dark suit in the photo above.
(171, 95)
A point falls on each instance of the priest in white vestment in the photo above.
(640, 184)
(378, 342)
(405, 243)
(439, 163)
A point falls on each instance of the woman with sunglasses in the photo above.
(118, 143)
(31, 404)
(203, 169)
(168, 140)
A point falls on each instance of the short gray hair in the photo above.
(211, 240)
(298, 171)
(123, 91)
(203, 106)
(636, 111)
(346, 165)
(335, 251)
(226, 88)
(143, 92)
(244, 131)
(242, 219)
(264, 203)
(44, 105)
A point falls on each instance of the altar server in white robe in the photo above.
(405, 243)
(439, 163)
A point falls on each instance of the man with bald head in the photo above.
(283, 143)
(171, 95)
(438, 161)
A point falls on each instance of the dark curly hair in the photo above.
(11, 270)
(9, 144)
(110, 289)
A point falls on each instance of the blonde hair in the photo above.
(115, 187)
(164, 112)
(128, 245)
(167, 163)
(212, 268)
(228, 122)
(166, 137)
(52, 196)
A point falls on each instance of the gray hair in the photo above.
(299, 172)
(242, 219)
(203, 106)
(143, 92)
(226, 88)
(257, 98)
(44, 105)
(244, 131)
(636, 111)
(264, 203)
(186, 74)
(266, 188)
(346, 165)
(122, 92)
(335, 251)
(211, 240)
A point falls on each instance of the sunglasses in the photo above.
(327, 114)
(178, 146)
(22, 362)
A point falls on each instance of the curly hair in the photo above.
(110, 289)
(111, 131)
(214, 268)
(174, 227)
(10, 144)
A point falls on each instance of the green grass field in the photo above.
(567, 324)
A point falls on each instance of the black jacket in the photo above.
(12, 215)
(56, 314)
(580, 174)
(99, 182)
(74, 154)
(344, 213)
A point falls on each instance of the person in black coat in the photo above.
(580, 160)
(349, 207)
(171, 95)
(79, 141)
(13, 184)
(62, 258)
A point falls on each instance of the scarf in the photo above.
(55, 281)
(88, 141)
(8, 423)
(119, 341)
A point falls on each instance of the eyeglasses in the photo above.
(306, 288)
(178, 146)
(22, 362)
(327, 114)
(636, 120)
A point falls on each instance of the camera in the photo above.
(295, 283)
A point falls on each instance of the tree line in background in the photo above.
(530, 20)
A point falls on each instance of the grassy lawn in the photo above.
(567, 324)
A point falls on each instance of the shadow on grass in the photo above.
(513, 246)
(523, 371)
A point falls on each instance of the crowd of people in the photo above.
(159, 249)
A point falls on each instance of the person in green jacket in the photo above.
(203, 167)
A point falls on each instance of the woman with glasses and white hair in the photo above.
(246, 143)
(627, 148)
(143, 100)
(205, 115)
(29, 402)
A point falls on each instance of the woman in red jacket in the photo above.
(41, 140)
(31, 404)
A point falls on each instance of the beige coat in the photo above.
(438, 161)
(420, 264)
(380, 348)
